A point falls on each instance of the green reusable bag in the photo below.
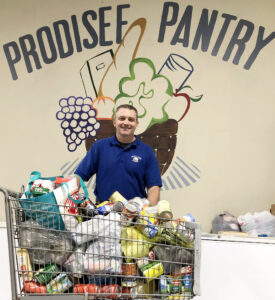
(45, 209)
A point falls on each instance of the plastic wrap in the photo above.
(45, 246)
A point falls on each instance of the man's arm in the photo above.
(153, 194)
(77, 181)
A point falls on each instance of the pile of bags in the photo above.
(260, 224)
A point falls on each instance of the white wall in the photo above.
(231, 268)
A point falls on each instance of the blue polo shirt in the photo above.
(126, 170)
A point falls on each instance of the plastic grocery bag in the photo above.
(75, 263)
(98, 227)
(225, 222)
(173, 257)
(50, 209)
(103, 257)
(48, 245)
(260, 223)
(134, 244)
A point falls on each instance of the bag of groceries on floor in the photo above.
(53, 201)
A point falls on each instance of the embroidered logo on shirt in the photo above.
(135, 158)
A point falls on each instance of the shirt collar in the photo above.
(114, 141)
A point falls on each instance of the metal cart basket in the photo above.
(103, 256)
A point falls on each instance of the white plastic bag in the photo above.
(98, 227)
(103, 257)
(260, 223)
(75, 263)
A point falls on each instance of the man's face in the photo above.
(125, 123)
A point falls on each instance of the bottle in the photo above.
(164, 210)
(88, 209)
(24, 265)
(105, 208)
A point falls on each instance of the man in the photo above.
(122, 162)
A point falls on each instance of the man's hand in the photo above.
(153, 195)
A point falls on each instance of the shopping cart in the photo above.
(103, 257)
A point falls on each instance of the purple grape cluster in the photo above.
(78, 120)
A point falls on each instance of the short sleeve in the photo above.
(152, 172)
(88, 166)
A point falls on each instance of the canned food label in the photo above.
(163, 206)
(44, 275)
(155, 271)
(129, 269)
(59, 285)
(187, 280)
(163, 284)
(129, 282)
(150, 231)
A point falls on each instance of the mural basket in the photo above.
(161, 137)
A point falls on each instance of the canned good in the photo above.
(86, 288)
(129, 269)
(187, 281)
(112, 291)
(44, 275)
(163, 284)
(129, 282)
(175, 286)
(147, 224)
(145, 288)
(152, 271)
(164, 210)
(32, 287)
(127, 217)
(129, 292)
(186, 270)
(60, 284)
(24, 264)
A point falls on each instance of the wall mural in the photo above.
(122, 77)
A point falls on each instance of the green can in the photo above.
(44, 275)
